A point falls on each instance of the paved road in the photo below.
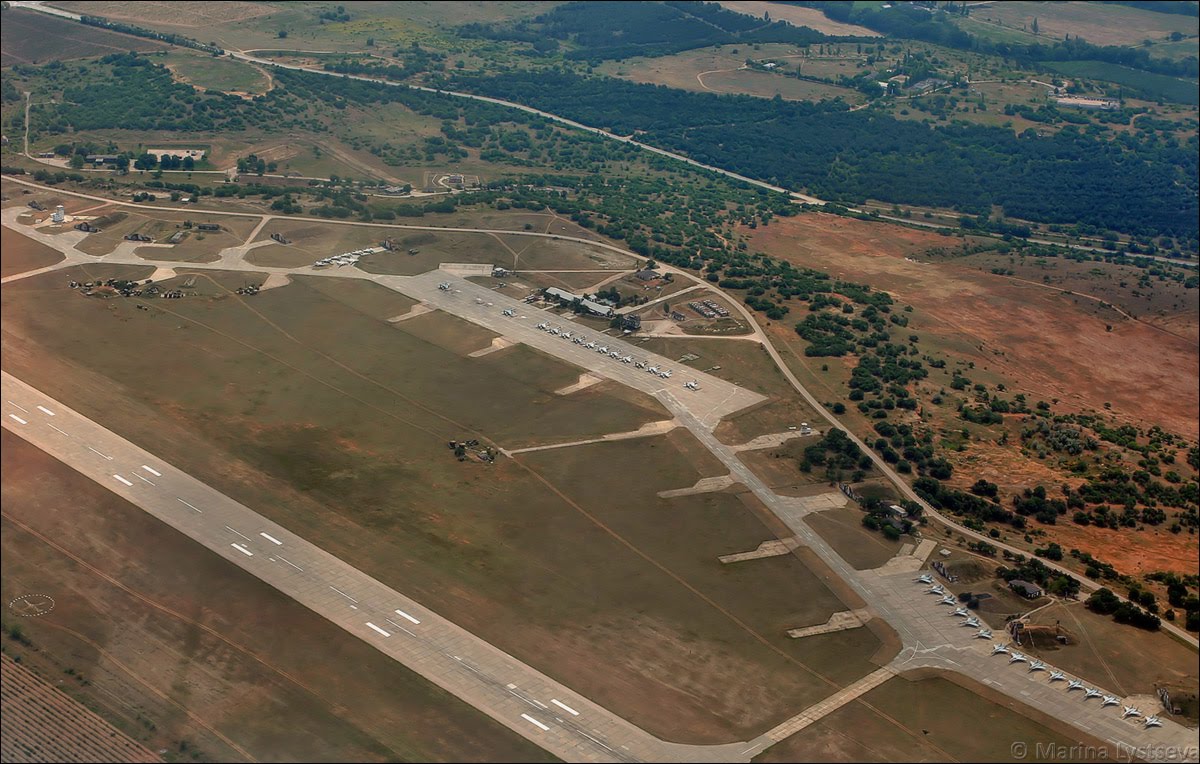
(516, 695)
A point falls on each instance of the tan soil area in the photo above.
(801, 17)
(1047, 343)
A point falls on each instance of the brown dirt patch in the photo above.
(20, 253)
(801, 17)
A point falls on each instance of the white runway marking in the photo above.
(271, 538)
(106, 456)
(17, 418)
(564, 707)
(401, 628)
(152, 471)
(347, 596)
(381, 631)
(535, 722)
(123, 480)
(45, 410)
(190, 506)
(19, 406)
(242, 549)
(407, 617)
(243, 535)
(294, 565)
(52, 427)
(144, 480)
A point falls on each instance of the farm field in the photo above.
(1098, 23)
(723, 70)
(29, 37)
(342, 436)
(948, 719)
(208, 73)
(182, 650)
(1148, 83)
(801, 17)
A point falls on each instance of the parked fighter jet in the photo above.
(962, 612)
(1017, 658)
(1092, 692)
(983, 634)
(971, 622)
(998, 648)
(1152, 721)
(1037, 665)
(924, 578)
(937, 589)
(1075, 684)
(1129, 711)
(1056, 676)
(508, 312)
(693, 385)
(1109, 700)
(948, 600)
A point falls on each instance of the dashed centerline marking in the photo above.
(152, 471)
(52, 427)
(123, 480)
(144, 480)
(535, 722)
(94, 451)
(347, 596)
(381, 631)
(18, 419)
(242, 549)
(45, 410)
(271, 538)
(190, 506)
(294, 565)
(17, 405)
(243, 535)
(401, 628)
(564, 706)
(407, 617)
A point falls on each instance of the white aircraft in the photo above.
(590, 346)
(1056, 676)
(508, 312)
(541, 326)
(924, 579)
(556, 330)
(984, 634)
(444, 286)
(962, 612)
(627, 359)
(1110, 700)
(998, 648)
(666, 374)
(693, 385)
(566, 335)
(1129, 711)
(614, 354)
(1075, 684)
(640, 364)
(479, 301)
(1037, 666)
(1017, 658)
(1092, 692)
(948, 600)
(653, 370)
(602, 349)
(971, 622)
(937, 589)
(1152, 721)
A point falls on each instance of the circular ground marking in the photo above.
(31, 605)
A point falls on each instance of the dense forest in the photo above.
(624, 28)
(1138, 184)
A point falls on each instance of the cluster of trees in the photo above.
(414, 60)
(1033, 569)
(623, 28)
(136, 31)
(974, 510)
(1139, 183)
(1105, 602)
(840, 456)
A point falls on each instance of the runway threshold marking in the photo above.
(242, 549)
(407, 617)
(18, 419)
(190, 506)
(381, 631)
(123, 480)
(535, 722)
(45, 410)
(564, 706)
(271, 538)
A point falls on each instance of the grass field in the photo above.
(1148, 83)
(20, 253)
(1098, 23)
(931, 719)
(209, 73)
(184, 651)
(29, 37)
(196, 246)
(335, 423)
(859, 546)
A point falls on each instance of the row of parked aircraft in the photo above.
(1034, 664)
(617, 355)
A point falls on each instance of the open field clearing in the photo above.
(20, 253)
(1026, 333)
(953, 723)
(335, 424)
(29, 37)
(1148, 83)
(748, 365)
(1126, 660)
(801, 17)
(723, 70)
(115, 223)
(184, 651)
(1098, 23)
(40, 723)
(859, 546)
(208, 73)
